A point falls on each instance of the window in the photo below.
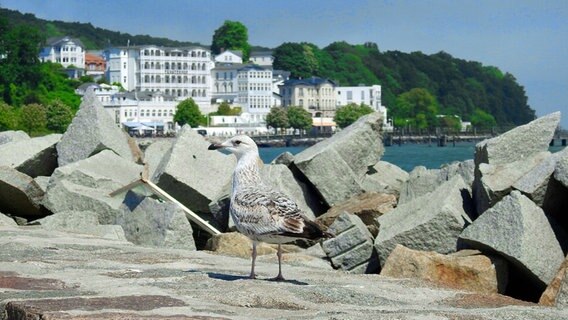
(124, 65)
(349, 95)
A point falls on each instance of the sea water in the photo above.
(406, 156)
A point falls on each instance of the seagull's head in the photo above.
(238, 145)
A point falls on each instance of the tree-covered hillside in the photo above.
(459, 87)
(92, 37)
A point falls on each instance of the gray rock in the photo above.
(154, 154)
(385, 177)
(352, 248)
(466, 169)
(20, 195)
(150, 222)
(42, 182)
(34, 157)
(91, 131)
(219, 208)
(337, 166)
(282, 179)
(518, 230)
(519, 143)
(192, 174)
(431, 222)
(7, 221)
(534, 184)
(12, 136)
(495, 181)
(561, 170)
(85, 185)
(422, 181)
(83, 222)
(285, 158)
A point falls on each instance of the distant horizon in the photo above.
(526, 38)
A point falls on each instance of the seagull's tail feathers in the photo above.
(314, 231)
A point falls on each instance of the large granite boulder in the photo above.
(422, 181)
(501, 161)
(336, 167)
(83, 222)
(384, 177)
(154, 154)
(464, 270)
(431, 222)
(85, 185)
(34, 157)
(535, 183)
(367, 206)
(285, 158)
(236, 244)
(282, 179)
(493, 182)
(91, 131)
(12, 136)
(7, 221)
(518, 230)
(561, 170)
(192, 174)
(556, 294)
(149, 222)
(20, 195)
(519, 143)
(351, 249)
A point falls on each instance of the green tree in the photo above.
(59, 116)
(418, 106)
(187, 112)
(346, 115)
(277, 118)
(299, 118)
(225, 109)
(232, 35)
(33, 118)
(8, 117)
(482, 120)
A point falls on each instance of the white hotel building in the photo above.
(178, 72)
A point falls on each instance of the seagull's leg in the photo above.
(279, 277)
(252, 275)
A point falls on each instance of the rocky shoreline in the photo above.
(479, 239)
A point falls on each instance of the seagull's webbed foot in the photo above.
(252, 276)
(279, 277)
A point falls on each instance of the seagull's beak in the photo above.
(215, 146)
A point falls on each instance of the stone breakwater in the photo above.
(479, 239)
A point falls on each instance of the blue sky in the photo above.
(528, 39)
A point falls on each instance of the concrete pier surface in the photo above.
(58, 275)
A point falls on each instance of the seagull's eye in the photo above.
(238, 142)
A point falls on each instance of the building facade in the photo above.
(229, 56)
(314, 94)
(368, 95)
(255, 92)
(95, 65)
(262, 58)
(178, 72)
(68, 52)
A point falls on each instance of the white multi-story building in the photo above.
(313, 94)
(229, 56)
(177, 72)
(255, 92)
(262, 58)
(67, 51)
(368, 95)
(225, 84)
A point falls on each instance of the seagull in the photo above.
(260, 212)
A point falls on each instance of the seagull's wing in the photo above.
(269, 212)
